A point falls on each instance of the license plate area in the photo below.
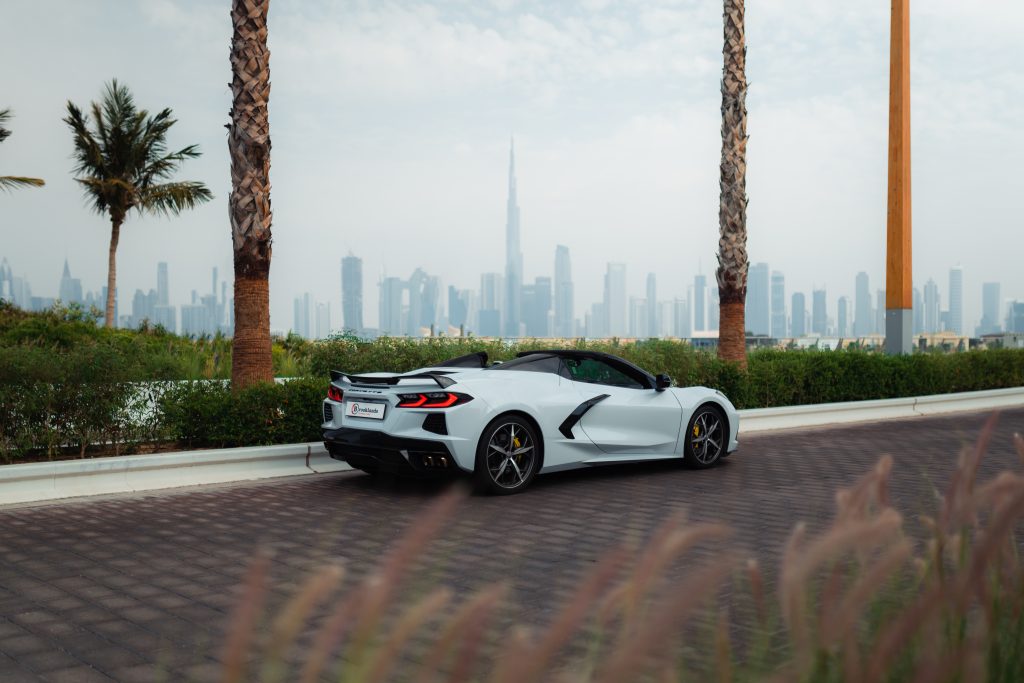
(365, 410)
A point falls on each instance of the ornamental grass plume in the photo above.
(859, 601)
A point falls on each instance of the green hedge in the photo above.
(774, 377)
(210, 415)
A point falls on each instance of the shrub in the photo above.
(207, 414)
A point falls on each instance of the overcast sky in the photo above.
(390, 124)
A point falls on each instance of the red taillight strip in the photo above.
(334, 393)
(423, 401)
(444, 403)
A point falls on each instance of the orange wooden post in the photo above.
(899, 298)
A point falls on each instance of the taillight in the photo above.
(334, 393)
(434, 399)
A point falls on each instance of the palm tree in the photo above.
(9, 182)
(249, 205)
(123, 164)
(732, 209)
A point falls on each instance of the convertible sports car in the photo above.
(505, 423)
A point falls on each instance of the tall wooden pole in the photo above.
(899, 298)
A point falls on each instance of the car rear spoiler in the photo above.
(439, 377)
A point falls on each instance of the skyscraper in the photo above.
(352, 293)
(989, 309)
(652, 306)
(303, 316)
(758, 305)
(163, 285)
(564, 316)
(956, 299)
(880, 311)
(799, 321)
(778, 305)
(323, 320)
(863, 316)
(714, 306)
(699, 297)
(681, 318)
(513, 253)
(615, 300)
(931, 307)
(918, 309)
(391, 290)
(819, 312)
(537, 307)
(70, 287)
(492, 289)
(638, 317)
(842, 311)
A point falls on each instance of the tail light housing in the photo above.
(432, 399)
(335, 394)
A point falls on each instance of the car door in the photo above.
(633, 420)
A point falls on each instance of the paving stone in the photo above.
(141, 587)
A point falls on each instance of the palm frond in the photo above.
(9, 182)
(122, 160)
(173, 198)
(5, 116)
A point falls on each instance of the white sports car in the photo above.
(504, 423)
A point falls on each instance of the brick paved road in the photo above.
(137, 588)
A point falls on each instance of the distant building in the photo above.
(615, 300)
(638, 317)
(863, 316)
(880, 312)
(1015, 318)
(842, 310)
(323, 320)
(932, 308)
(918, 312)
(758, 305)
(352, 293)
(163, 285)
(390, 305)
(564, 316)
(699, 297)
(989, 309)
(70, 287)
(714, 306)
(681, 318)
(798, 324)
(492, 288)
(819, 313)
(652, 306)
(778, 305)
(303, 316)
(956, 300)
(536, 303)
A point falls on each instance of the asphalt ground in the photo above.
(140, 587)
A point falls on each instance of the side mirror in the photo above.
(662, 382)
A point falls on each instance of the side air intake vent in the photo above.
(328, 412)
(435, 423)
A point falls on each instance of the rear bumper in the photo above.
(377, 451)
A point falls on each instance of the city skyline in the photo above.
(616, 146)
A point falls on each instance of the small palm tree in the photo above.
(123, 164)
(249, 204)
(9, 182)
(732, 210)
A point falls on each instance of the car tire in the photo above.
(706, 437)
(508, 456)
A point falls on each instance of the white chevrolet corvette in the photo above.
(505, 423)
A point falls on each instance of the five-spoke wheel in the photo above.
(706, 437)
(508, 456)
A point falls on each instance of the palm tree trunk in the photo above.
(249, 204)
(115, 234)
(732, 210)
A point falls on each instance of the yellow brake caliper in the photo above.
(515, 442)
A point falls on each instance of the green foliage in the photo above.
(209, 415)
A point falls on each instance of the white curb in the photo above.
(125, 474)
(791, 417)
(97, 476)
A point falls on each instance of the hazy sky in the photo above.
(390, 124)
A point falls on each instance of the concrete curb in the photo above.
(97, 476)
(792, 417)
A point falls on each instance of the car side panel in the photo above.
(641, 422)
